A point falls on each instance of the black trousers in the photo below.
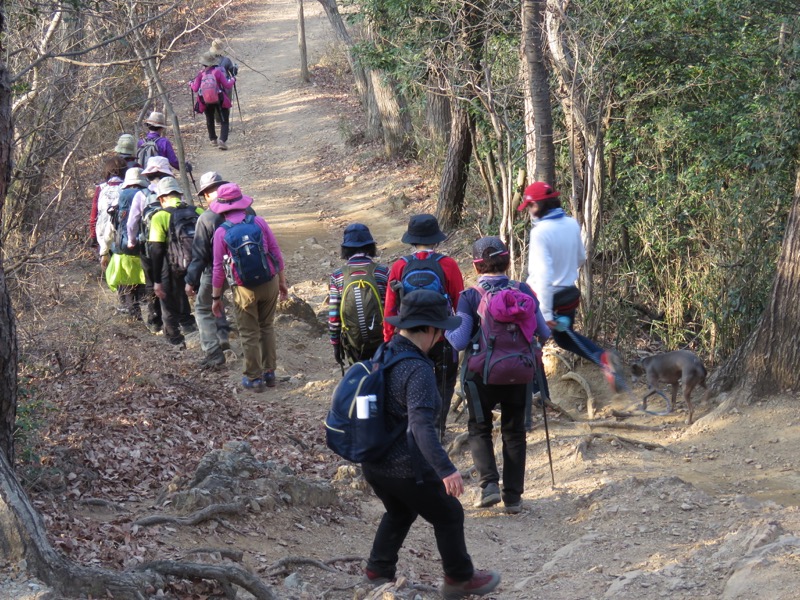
(511, 399)
(175, 309)
(212, 111)
(153, 304)
(404, 500)
(445, 361)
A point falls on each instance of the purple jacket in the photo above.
(163, 148)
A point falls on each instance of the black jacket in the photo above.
(202, 256)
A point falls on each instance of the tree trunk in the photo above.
(301, 42)
(437, 112)
(767, 362)
(456, 167)
(394, 115)
(361, 75)
(541, 156)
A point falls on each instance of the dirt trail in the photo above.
(680, 520)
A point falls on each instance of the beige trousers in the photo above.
(255, 313)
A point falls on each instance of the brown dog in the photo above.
(672, 367)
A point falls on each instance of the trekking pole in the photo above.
(236, 95)
(545, 400)
(191, 176)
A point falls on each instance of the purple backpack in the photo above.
(501, 352)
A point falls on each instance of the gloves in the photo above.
(188, 167)
(235, 70)
(337, 353)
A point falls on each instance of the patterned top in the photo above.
(336, 287)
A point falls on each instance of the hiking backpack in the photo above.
(500, 352)
(109, 197)
(360, 311)
(209, 89)
(148, 149)
(249, 258)
(120, 245)
(150, 209)
(180, 237)
(365, 439)
(423, 274)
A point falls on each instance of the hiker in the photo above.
(228, 67)
(155, 144)
(214, 331)
(125, 274)
(355, 298)
(256, 274)
(143, 207)
(213, 98)
(426, 267)
(126, 148)
(106, 197)
(517, 313)
(556, 252)
(167, 278)
(416, 477)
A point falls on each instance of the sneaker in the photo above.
(255, 385)
(213, 142)
(480, 584)
(611, 369)
(373, 578)
(213, 359)
(513, 508)
(490, 495)
(222, 145)
(269, 378)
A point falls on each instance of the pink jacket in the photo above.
(224, 84)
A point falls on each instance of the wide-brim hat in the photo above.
(488, 247)
(207, 59)
(424, 308)
(423, 229)
(134, 177)
(536, 192)
(217, 47)
(126, 145)
(209, 180)
(157, 164)
(157, 119)
(357, 235)
(167, 186)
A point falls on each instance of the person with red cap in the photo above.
(556, 252)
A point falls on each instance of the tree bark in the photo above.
(456, 167)
(301, 43)
(541, 155)
(767, 362)
(437, 111)
(394, 115)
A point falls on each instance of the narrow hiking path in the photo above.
(618, 524)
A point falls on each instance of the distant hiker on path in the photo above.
(156, 144)
(105, 199)
(126, 148)
(228, 67)
(556, 252)
(355, 327)
(245, 249)
(213, 98)
(416, 478)
(427, 269)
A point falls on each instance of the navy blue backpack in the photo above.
(367, 439)
(245, 242)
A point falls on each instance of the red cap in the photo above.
(536, 192)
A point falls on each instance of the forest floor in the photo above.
(642, 508)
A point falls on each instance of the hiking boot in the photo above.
(513, 508)
(490, 495)
(213, 143)
(222, 145)
(269, 378)
(480, 584)
(612, 368)
(373, 578)
(224, 340)
(189, 328)
(154, 328)
(255, 385)
(213, 359)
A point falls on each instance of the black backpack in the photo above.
(150, 209)
(147, 150)
(180, 237)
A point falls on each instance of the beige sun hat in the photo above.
(167, 186)
(134, 178)
(157, 119)
(217, 47)
(207, 59)
(126, 145)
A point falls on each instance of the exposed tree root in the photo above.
(459, 442)
(209, 512)
(234, 555)
(101, 502)
(582, 448)
(281, 567)
(226, 575)
(586, 388)
(610, 424)
(561, 411)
